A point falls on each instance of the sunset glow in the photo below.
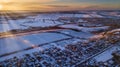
(54, 5)
(1, 7)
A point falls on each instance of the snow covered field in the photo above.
(84, 29)
(18, 43)
(8, 45)
(41, 20)
(72, 37)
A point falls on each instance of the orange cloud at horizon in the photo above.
(46, 5)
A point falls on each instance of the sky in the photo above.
(59, 5)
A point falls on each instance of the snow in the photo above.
(106, 55)
(47, 23)
(11, 25)
(96, 15)
(72, 35)
(60, 44)
(21, 42)
(41, 20)
(84, 29)
(80, 20)
(115, 30)
(55, 16)
(91, 25)
(95, 29)
(20, 54)
(77, 33)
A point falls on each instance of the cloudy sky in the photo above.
(54, 5)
